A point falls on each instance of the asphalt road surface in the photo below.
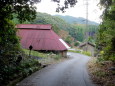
(72, 72)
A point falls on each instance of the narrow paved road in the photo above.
(72, 72)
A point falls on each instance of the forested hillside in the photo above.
(72, 32)
(86, 34)
(75, 32)
(59, 25)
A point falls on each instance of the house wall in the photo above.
(64, 53)
(89, 48)
(61, 53)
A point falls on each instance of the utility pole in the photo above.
(87, 12)
(87, 35)
(30, 48)
(87, 5)
(87, 18)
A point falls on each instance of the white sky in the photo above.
(46, 6)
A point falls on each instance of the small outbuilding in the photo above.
(87, 46)
(42, 38)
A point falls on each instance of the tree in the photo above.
(8, 8)
(66, 5)
(23, 8)
(106, 34)
(9, 42)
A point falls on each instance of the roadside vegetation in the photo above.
(102, 69)
(81, 52)
(34, 53)
(46, 55)
(28, 65)
(106, 35)
(102, 72)
(19, 70)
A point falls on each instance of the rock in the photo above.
(39, 64)
(44, 65)
(112, 68)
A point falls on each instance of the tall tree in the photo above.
(24, 10)
(9, 42)
(106, 34)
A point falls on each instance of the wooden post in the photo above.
(30, 47)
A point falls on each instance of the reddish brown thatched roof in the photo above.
(41, 37)
(34, 26)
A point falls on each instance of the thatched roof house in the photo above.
(40, 37)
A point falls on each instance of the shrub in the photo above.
(57, 57)
(86, 53)
(25, 68)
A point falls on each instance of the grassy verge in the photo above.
(46, 58)
(42, 55)
(100, 72)
(35, 53)
(82, 52)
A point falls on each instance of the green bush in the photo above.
(57, 57)
(86, 53)
(100, 59)
(112, 58)
(25, 68)
(76, 43)
(35, 53)
(74, 51)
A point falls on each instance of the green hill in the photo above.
(77, 31)
(59, 26)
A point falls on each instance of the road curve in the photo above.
(72, 72)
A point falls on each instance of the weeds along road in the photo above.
(72, 72)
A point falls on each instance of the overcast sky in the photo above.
(46, 6)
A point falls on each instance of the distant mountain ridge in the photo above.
(78, 20)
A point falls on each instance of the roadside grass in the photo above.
(79, 51)
(42, 55)
(46, 58)
(35, 53)
(57, 57)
